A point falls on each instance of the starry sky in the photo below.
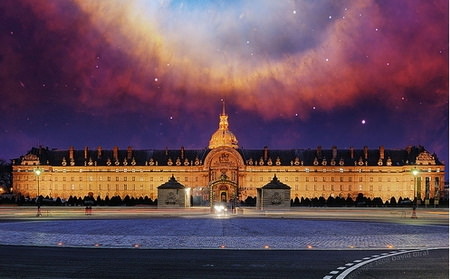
(293, 74)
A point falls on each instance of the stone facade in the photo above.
(274, 195)
(173, 194)
(225, 172)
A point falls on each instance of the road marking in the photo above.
(341, 268)
(362, 263)
(328, 277)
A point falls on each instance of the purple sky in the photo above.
(294, 74)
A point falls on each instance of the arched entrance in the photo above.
(223, 165)
(224, 192)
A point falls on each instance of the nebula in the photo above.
(272, 59)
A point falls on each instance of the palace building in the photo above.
(226, 172)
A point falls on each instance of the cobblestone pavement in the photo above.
(208, 231)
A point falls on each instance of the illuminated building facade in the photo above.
(225, 172)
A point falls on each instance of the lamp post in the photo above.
(415, 172)
(38, 173)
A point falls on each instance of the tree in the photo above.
(393, 202)
(5, 176)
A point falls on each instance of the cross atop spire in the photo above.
(223, 106)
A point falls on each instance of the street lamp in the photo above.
(415, 172)
(38, 173)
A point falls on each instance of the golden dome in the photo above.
(223, 136)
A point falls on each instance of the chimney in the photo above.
(99, 152)
(86, 152)
(116, 153)
(334, 152)
(266, 153)
(352, 153)
(182, 152)
(366, 152)
(319, 151)
(129, 153)
(381, 152)
(409, 149)
(71, 150)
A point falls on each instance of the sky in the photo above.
(293, 74)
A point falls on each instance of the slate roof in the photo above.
(172, 184)
(286, 157)
(275, 184)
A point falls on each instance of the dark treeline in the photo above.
(87, 200)
(360, 201)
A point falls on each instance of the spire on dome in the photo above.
(223, 107)
(223, 136)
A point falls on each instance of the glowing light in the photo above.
(363, 121)
(309, 246)
(266, 246)
(60, 243)
(136, 245)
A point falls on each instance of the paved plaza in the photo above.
(145, 228)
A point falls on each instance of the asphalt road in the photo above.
(63, 262)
